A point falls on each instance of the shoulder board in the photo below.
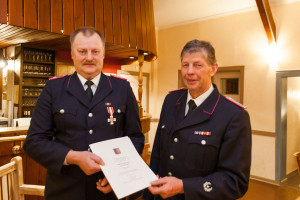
(235, 102)
(58, 77)
(176, 90)
(118, 77)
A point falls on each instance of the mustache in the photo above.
(88, 63)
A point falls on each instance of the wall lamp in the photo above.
(3, 60)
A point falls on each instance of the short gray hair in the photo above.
(204, 47)
(87, 31)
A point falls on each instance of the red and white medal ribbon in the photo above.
(111, 119)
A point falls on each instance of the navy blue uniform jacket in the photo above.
(63, 119)
(210, 150)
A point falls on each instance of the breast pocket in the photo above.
(119, 112)
(64, 117)
(202, 152)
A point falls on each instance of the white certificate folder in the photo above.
(124, 168)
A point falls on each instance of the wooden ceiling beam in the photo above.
(267, 19)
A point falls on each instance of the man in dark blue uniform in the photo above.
(202, 148)
(77, 110)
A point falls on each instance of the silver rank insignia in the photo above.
(207, 187)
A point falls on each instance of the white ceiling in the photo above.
(170, 13)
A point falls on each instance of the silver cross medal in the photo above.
(111, 119)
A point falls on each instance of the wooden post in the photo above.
(141, 62)
(267, 19)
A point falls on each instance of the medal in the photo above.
(202, 133)
(111, 119)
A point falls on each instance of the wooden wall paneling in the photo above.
(138, 23)
(4, 33)
(42, 175)
(15, 12)
(99, 16)
(56, 16)
(116, 9)
(148, 24)
(30, 14)
(13, 35)
(4, 28)
(78, 13)
(44, 15)
(132, 29)
(152, 28)
(89, 13)
(25, 35)
(3, 11)
(68, 22)
(124, 22)
(144, 24)
(108, 28)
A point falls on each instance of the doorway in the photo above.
(287, 122)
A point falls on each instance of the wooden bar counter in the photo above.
(13, 130)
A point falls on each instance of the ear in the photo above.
(72, 54)
(214, 69)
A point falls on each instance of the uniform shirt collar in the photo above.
(199, 100)
(95, 80)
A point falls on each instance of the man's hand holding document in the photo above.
(124, 168)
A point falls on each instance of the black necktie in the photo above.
(192, 106)
(89, 91)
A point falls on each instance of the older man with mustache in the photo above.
(76, 110)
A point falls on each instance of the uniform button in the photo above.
(91, 131)
(175, 139)
(203, 142)
(163, 126)
(90, 114)
(119, 111)
(171, 157)
(62, 111)
(170, 173)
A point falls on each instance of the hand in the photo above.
(88, 162)
(104, 186)
(167, 187)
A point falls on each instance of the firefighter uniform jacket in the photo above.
(210, 149)
(64, 119)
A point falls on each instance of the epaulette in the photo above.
(176, 90)
(118, 77)
(58, 77)
(235, 102)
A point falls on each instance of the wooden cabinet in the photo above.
(37, 66)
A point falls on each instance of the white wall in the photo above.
(239, 39)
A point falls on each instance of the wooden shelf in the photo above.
(38, 62)
(39, 86)
(31, 79)
(30, 96)
(36, 76)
